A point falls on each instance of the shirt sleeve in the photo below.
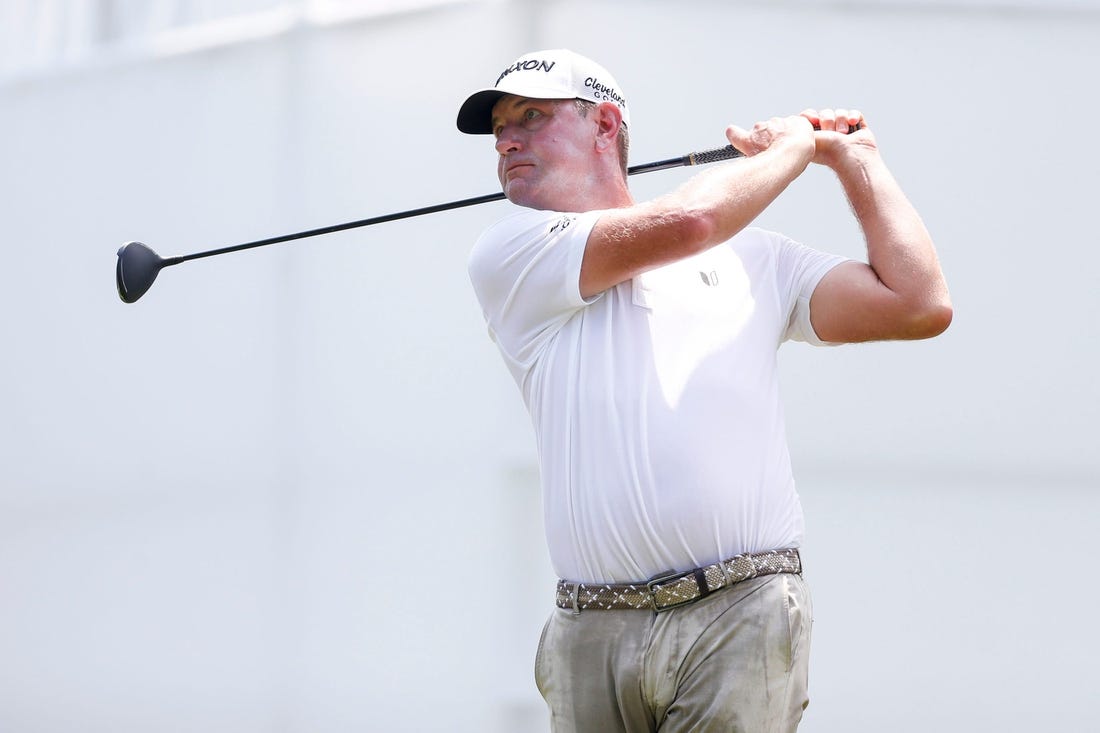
(799, 270)
(525, 270)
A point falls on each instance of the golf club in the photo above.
(138, 265)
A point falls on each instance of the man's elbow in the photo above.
(930, 320)
(696, 230)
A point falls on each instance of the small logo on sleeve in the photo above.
(710, 278)
(562, 223)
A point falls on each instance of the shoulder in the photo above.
(527, 231)
(763, 246)
(775, 246)
(527, 223)
(759, 237)
(790, 262)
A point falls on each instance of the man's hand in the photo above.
(776, 132)
(839, 133)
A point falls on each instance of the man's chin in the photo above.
(522, 195)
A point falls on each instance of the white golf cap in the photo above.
(554, 74)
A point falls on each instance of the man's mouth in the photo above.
(512, 168)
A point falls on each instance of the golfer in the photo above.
(643, 339)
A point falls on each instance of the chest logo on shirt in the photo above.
(710, 278)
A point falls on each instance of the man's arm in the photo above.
(709, 209)
(901, 292)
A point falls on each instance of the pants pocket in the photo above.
(542, 672)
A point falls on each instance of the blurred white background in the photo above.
(294, 489)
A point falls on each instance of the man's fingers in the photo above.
(835, 120)
(733, 132)
(847, 120)
(765, 133)
(855, 119)
(740, 138)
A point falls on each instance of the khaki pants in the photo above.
(736, 660)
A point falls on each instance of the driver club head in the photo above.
(136, 270)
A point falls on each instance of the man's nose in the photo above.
(507, 140)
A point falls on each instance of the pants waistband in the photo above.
(675, 589)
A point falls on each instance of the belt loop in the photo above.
(573, 597)
(701, 582)
(725, 573)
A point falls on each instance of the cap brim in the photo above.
(475, 114)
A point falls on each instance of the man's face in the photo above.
(546, 150)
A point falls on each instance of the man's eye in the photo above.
(531, 114)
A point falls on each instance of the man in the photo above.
(643, 338)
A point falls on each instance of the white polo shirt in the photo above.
(655, 405)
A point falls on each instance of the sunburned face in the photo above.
(545, 150)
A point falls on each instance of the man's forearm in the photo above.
(707, 210)
(899, 247)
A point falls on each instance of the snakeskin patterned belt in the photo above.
(675, 589)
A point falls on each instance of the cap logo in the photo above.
(528, 65)
(602, 92)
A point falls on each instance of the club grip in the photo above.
(713, 156)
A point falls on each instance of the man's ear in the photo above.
(609, 118)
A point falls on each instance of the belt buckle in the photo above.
(655, 584)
